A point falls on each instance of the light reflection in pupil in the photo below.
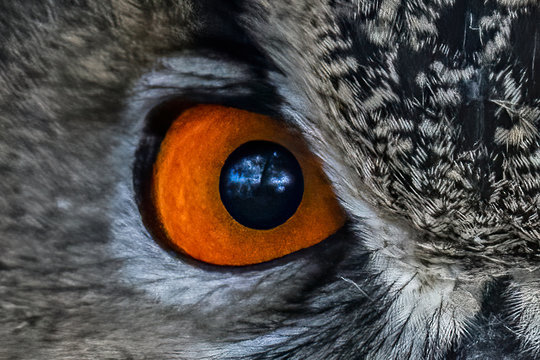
(261, 184)
(246, 177)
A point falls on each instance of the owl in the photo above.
(254, 179)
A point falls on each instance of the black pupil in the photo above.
(261, 184)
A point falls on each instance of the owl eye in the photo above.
(231, 187)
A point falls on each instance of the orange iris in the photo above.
(186, 197)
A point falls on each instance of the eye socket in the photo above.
(231, 187)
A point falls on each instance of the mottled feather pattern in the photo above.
(425, 115)
(449, 143)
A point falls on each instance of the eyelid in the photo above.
(199, 76)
